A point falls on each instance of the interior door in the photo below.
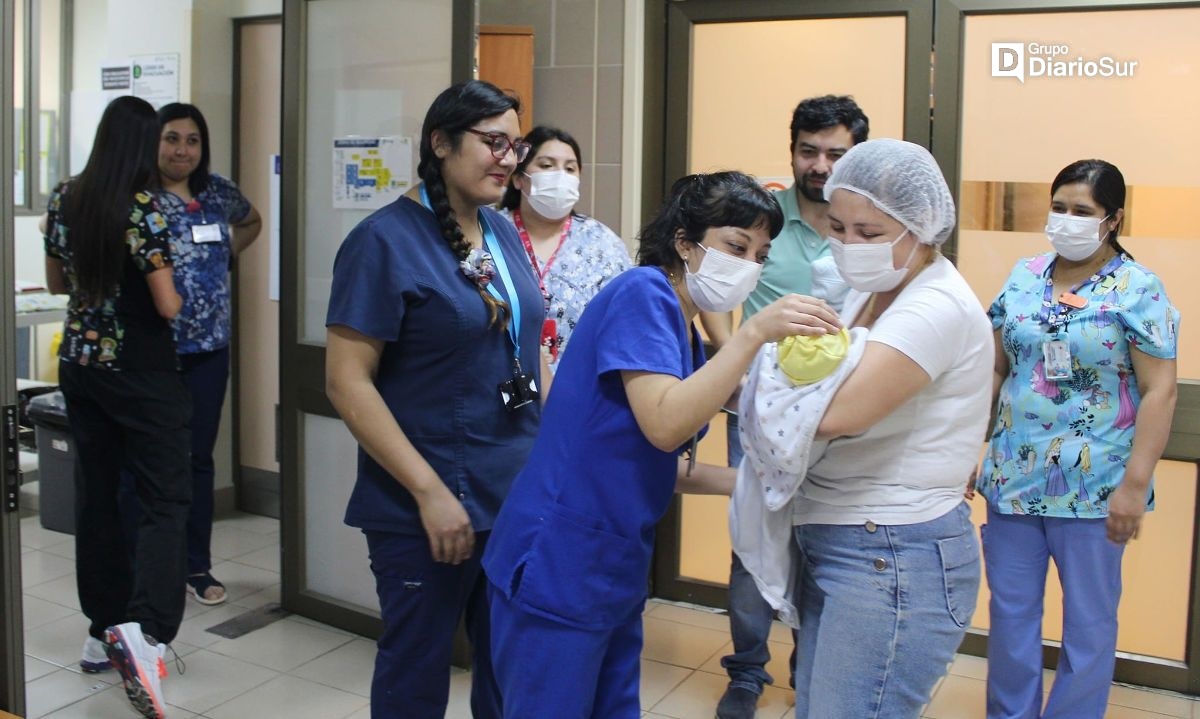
(344, 74)
(1021, 92)
(734, 73)
(12, 645)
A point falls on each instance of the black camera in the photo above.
(518, 391)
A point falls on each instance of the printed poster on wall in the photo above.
(154, 78)
(370, 172)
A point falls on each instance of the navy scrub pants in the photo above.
(549, 669)
(421, 601)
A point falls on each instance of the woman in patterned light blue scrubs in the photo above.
(1086, 341)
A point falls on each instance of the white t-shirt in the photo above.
(913, 465)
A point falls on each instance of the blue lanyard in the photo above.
(1054, 313)
(489, 242)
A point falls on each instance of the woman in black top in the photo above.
(107, 247)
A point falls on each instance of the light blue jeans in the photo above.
(883, 609)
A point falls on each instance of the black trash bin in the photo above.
(56, 462)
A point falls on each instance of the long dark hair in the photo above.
(1107, 185)
(699, 202)
(198, 180)
(455, 110)
(96, 208)
(537, 137)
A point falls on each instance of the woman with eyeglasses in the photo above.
(574, 256)
(1084, 392)
(433, 363)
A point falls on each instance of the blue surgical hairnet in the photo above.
(903, 180)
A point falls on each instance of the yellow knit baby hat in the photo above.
(807, 359)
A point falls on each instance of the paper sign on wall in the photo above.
(154, 78)
(370, 172)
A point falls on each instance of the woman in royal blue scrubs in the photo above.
(570, 551)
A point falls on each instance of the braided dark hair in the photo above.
(455, 110)
(699, 202)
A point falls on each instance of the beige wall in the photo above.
(578, 69)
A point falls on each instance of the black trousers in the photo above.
(140, 420)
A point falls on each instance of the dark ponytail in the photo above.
(455, 110)
(700, 202)
(1107, 185)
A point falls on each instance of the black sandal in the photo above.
(200, 584)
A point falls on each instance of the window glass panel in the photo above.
(1017, 133)
(754, 65)
(360, 81)
(50, 113)
(19, 103)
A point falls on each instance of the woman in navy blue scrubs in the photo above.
(433, 363)
(571, 548)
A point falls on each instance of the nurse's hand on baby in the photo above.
(451, 537)
(792, 315)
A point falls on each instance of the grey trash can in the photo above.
(56, 462)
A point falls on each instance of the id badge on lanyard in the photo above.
(1056, 359)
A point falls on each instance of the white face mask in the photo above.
(1075, 238)
(867, 266)
(552, 193)
(722, 282)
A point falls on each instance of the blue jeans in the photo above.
(1018, 549)
(882, 611)
(750, 616)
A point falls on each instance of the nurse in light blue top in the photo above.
(1085, 384)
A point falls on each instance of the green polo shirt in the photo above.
(792, 251)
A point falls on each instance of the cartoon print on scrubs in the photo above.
(93, 335)
(1080, 428)
(202, 268)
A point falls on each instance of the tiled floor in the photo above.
(299, 669)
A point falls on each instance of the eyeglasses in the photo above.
(500, 145)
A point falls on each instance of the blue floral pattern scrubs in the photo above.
(589, 257)
(1059, 448)
(202, 268)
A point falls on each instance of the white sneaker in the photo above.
(141, 665)
(94, 657)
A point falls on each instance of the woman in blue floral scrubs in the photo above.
(211, 221)
(1085, 386)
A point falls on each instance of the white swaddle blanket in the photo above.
(777, 422)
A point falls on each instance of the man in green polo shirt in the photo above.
(823, 129)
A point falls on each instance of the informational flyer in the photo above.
(370, 172)
(154, 78)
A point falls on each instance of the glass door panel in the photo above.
(1036, 96)
(760, 67)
